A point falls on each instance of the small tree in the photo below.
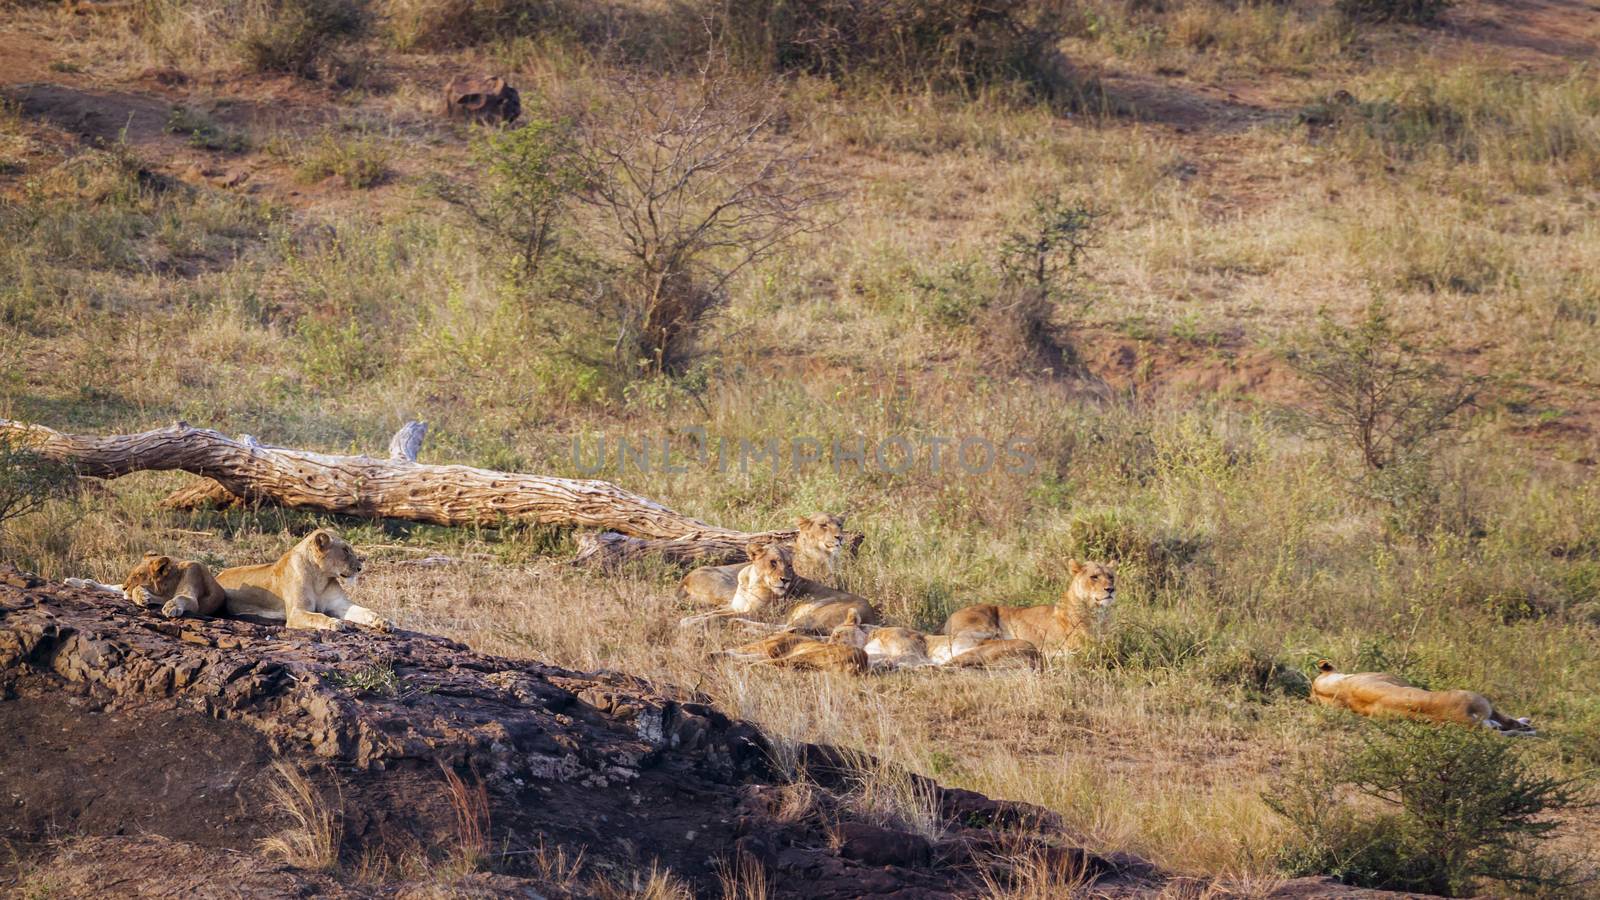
(28, 481)
(527, 179)
(688, 188)
(1043, 253)
(1444, 807)
(1036, 261)
(1378, 393)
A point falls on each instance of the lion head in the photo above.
(821, 535)
(852, 632)
(1094, 585)
(156, 574)
(333, 555)
(771, 569)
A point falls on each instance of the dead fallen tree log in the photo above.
(383, 488)
(608, 550)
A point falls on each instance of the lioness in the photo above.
(186, 587)
(997, 655)
(302, 588)
(1071, 623)
(797, 651)
(815, 554)
(761, 585)
(820, 609)
(1379, 694)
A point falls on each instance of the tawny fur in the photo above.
(998, 654)
(302, 589)
(820, 609)
(1070, 624)
(815, 555)
(1381, 694)
(762, 586)
(791, 650)
(185, 587)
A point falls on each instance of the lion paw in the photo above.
(381, 625)
(143, 597)
(172, 609)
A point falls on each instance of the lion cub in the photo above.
(1071, 623)
(1378, 694)
(815, 555)
(186, 587)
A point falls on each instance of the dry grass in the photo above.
(313, 837)
(1460, 194)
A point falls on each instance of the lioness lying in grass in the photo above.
(1381, 694)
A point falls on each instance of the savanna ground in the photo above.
(275, 258)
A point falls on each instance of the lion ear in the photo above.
(323, 540)
(755, 549)
(1074, 566)
(852, 617)
(163, 564)
(1110, 566)
(1324, 665)
(802, 521)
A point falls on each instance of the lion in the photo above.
(997, 654)
(816, 554)
(302, 589)
(818, 546)
(1381, 694)
(897, 648)
(761, 584)
(791, 650)
(820, 609)
(1075, 620)
(185, 587)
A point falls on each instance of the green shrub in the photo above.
(944, 44)
(1413, 12)
(360, 162)
(28, 480)
(204, 132)
(526, 179)
(297, 37)
(1428, 808)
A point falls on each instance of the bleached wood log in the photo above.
(380, 488)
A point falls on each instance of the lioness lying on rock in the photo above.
(185, 587)
(302, 589)
(1380, 694)
(1070, 624)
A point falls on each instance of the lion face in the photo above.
(1093, 584)
(771, 568)
(334, 556)
(821, 535)
(157, 574)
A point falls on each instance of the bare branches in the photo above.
(692, 186)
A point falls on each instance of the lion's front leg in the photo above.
(344, 608)
(299, 617)
(179, 606)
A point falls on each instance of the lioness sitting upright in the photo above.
(1379, 694)
(1070, 624)
(302, 588)
(815, 555)
(186, 587)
